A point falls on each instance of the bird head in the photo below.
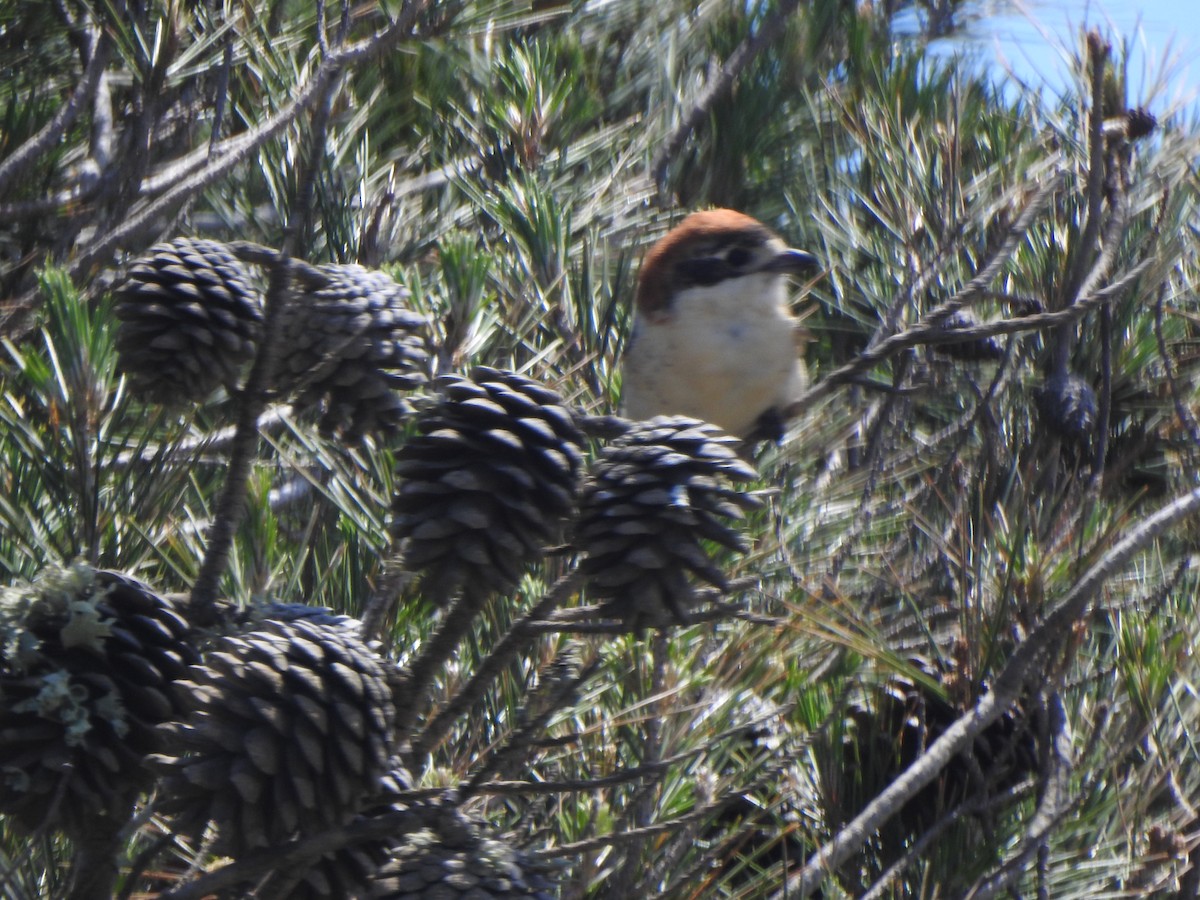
(717, 253)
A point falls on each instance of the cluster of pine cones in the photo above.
(493, 476)
(278, 727)
(349, 347)
(280, 723)
(494, 471)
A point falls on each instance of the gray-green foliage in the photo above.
(921, 520)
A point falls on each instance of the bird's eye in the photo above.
(704, 270)
(738, 257)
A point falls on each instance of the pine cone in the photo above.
(654, 494)
(88, 670)
(189, 320)
(291, 730)
(457, 861)
(250, 617)
(350, 344)
(894, 727)
(1067, 406)
(484, 487)
(974, 350)
(350, 873)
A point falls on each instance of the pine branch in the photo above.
(1025, 664)
(526, 736)
(513, 642)
(232, 152)
(231, 504)
(456, 623)
(641, 811)
(301, 854)
(754, 43)
(186, 452)
(638, 835)
(977, 806)
(1054, 804)
(631, 775)
(929, 332)
(94, 863)
(29, 152)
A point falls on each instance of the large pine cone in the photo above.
(457, 861)
(485, 486)
(89, 669)
(350, 873)
(350, 345)
(189, 320)
(291, 731)
(653, 496)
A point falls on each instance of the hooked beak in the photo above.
(792, 261)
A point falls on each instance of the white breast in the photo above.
(726, 354)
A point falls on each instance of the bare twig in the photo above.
(503, 653)
(579, 785)
(1090, 263)
(231, 504)
(626, 776)
(874, 465)
(222, 95)
(32, 149)
(1182, 410)
(928, 331)
(635, 835)
(1107, 254)
(1082, 263)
